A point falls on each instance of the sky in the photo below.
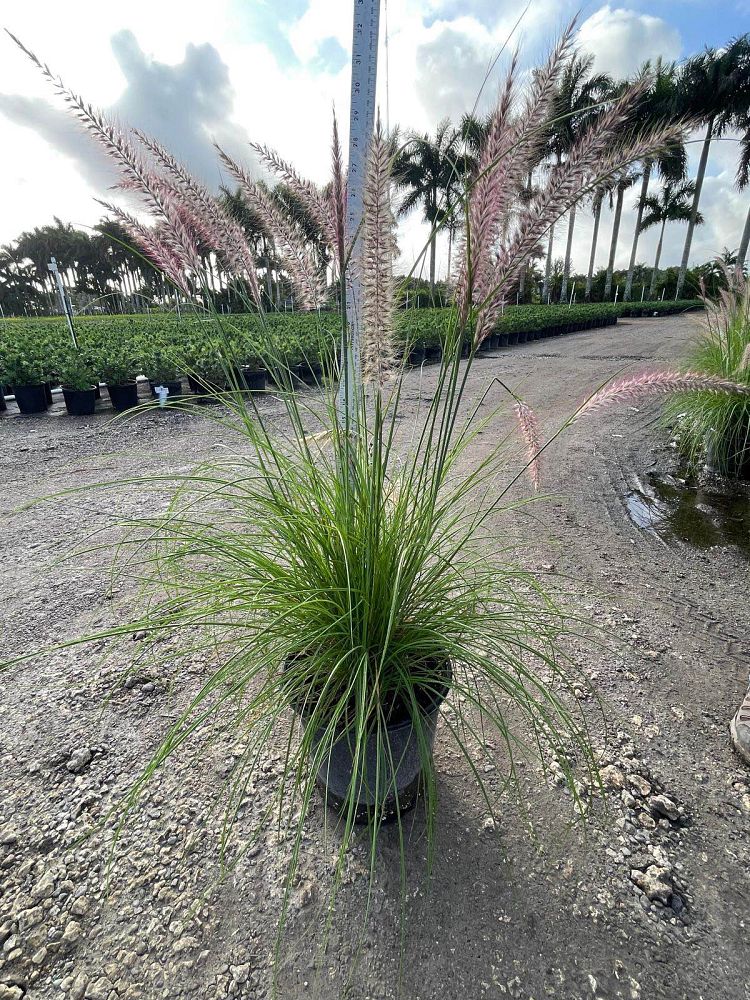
(230, 71)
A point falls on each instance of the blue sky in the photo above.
(273, 69)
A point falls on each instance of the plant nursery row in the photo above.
(37, 354)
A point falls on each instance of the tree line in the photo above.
(711, 91)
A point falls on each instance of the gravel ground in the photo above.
(649, 899)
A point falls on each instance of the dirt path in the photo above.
(650, 900)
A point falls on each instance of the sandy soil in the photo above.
(650, 899)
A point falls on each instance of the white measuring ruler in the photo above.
(361, 121)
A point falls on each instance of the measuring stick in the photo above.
(361, 121)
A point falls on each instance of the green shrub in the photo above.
(24, 363)
(76, 369)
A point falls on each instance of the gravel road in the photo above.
(650, 898)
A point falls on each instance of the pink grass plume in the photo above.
(631, 388)
(529, 428)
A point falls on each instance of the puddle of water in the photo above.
(680, 509)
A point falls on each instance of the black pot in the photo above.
(416, 356)
(203, 386)
(3, 404)
(123, 396)
(31, 398)
(253, 379)
(738, 466)
(174, 386)
(433, 354)
(523, 336)
(399, 784)
(513, 338)
(309, 372)
(502, 340)
(98, 391)
(48, 393)
(80, 402)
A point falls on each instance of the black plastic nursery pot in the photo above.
(252, 379)
(31, 398)
(433, 354)
(400, 774)
(173, 385)
(203, 386)
(48, 393)
(3, 404)
(513, 339)
(738, 466)
(79, 402)
(309, 372)
(123, 396)
(416, 356)
(502, 339)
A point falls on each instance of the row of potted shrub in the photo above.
(35, 354)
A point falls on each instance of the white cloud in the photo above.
(622, 40)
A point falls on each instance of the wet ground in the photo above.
(682, 509)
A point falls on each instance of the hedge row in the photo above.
(114, 349)
(657, 308)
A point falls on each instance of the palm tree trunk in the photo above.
(637, 233)
(655, 272)
(594, 238)
(522, 283)
(548, 268)
(694, 210)
(432, 213)
(613, 241)
(568, 248)
(742, 252)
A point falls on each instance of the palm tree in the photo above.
(19, 292)
(709, 85)
(672, 204)
(573, 111)
(743, 176)
(625, 179)
(548, 264)
(597, 200)
(736, 115)
(658, 104)
(428, 170)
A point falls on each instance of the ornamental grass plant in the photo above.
(715, 427)
(346, 571)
